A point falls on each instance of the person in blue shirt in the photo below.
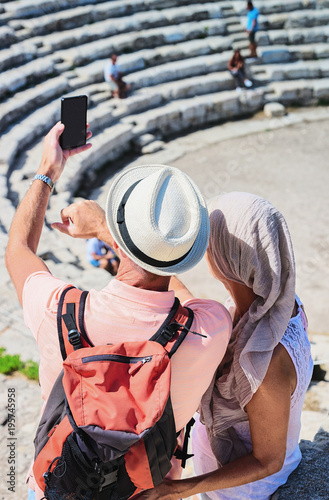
(99, 254)
(252, 28)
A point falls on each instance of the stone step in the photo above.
(133, 41)
(103, 19)
(192, 86)
(302, 92)
(109, 111)
(33, 127)
(15, 109)
(164, 120)
(297, 19)
(178, 70)
(28, 74)
(17, 55)
(293, 36)
(14, 80)
(7, 36)
(172, 72)
(296, 70)
(267, 7)
(289, 53)
(26, 9)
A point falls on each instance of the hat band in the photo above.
(129, 242)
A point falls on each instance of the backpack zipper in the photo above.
(117, 358)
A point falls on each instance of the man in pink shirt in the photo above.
(157, 222)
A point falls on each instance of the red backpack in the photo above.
(108, 428)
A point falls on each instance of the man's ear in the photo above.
(115, 246)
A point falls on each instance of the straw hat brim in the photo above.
(118, 189)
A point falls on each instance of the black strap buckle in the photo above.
(183, 455)
(168, 333)
(74, 338)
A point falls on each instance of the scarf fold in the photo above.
(249, 244)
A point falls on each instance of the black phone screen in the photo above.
(74, 117)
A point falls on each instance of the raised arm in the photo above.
(25, 231)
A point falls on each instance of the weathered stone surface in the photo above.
(310, 479)
(274, 109)
(144, 140)
(293, 36)
(275, 55)
(321, 89)
(293, 91)
(296, 70)
(308, 18)
(13, 80)
(33, 127)
(16, 55)
(152, 147)
(107, 146)
(7, 36)
(16, 108)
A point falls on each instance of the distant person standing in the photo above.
(237, 70)
(252, 28)
(113, 75)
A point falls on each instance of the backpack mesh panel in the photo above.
(73, 477)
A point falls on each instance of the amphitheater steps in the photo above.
(297, 19)
(22, 136)
(19, 78)
(27, 9)
(109, 24)
(293, 36)
(112, 141)
(174, 57)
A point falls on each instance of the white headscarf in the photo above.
(250, 244)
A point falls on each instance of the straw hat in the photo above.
(158, 217)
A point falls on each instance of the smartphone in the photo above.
(74, 117)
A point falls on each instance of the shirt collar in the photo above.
(139, 295)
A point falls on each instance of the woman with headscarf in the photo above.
(245, 442)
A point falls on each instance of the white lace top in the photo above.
(297, 345)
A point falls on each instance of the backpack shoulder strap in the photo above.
(183, 319)
(70, 321)
(179, 318)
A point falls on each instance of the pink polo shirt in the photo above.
(121, 313)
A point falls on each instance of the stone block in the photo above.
(307, 19)
(324, 68)
(16, 55)
(31, 72)
(144, 140)
(152, 147)
(278, 37)
(24, 102)
(7, 36)
(310, 479)
(294, 91)
(274, 109)
(321, 51)
(321, 89)
(275, 55)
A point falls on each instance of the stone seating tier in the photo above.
(175, 58)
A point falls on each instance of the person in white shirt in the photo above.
(113, 75)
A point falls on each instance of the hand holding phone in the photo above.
(74, 117)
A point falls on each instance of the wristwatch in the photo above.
(45, 179)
